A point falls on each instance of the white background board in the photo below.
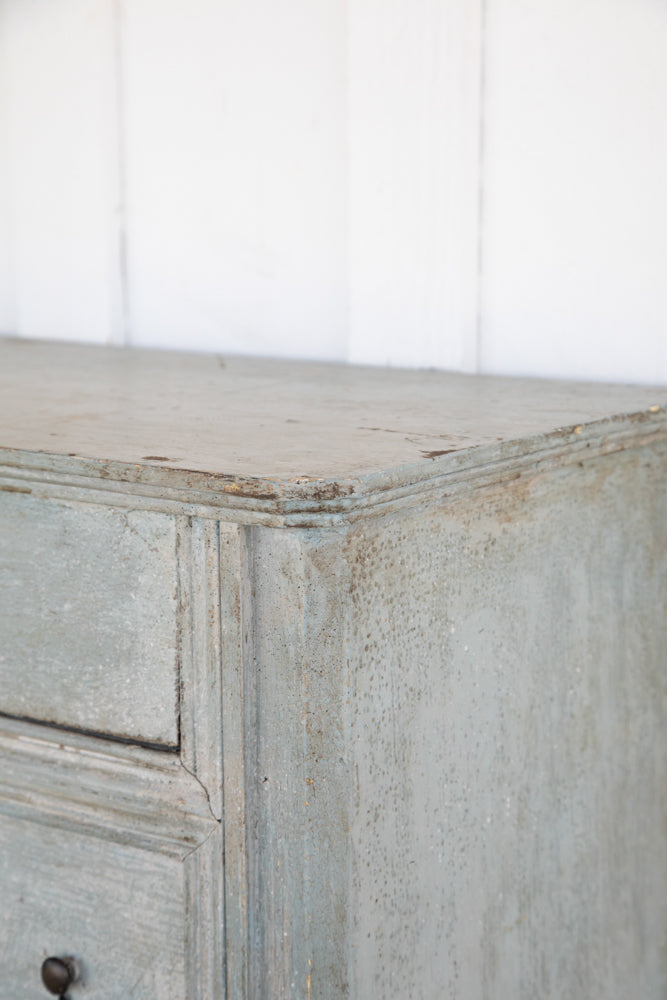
(467, 184)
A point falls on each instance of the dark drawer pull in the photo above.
(58, 974)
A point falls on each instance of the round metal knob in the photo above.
(58, 974)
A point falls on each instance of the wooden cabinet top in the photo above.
(280, 436)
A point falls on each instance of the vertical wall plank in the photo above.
(7, 316)
(414, 104)
(575, 204)
(60, 153)
(303, 179)
(235, 174)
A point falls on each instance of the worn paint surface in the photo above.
(456, 765)
(508, 758)
(297, 779)
(88, 617)
(421, 698)
(111, 854)
(65, 893)
(283, 438)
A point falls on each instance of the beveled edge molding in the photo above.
(307, 502)
(199, 651)
(239, 706)
(127, 794)
(204, 926)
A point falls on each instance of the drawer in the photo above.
(108, 853)
(119, 910)
(89, 617)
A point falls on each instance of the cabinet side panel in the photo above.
(296, 772)
(508, 655)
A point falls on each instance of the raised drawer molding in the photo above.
(324, 682)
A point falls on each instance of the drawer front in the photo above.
(109, 854)
(119, 910)
(88, 617)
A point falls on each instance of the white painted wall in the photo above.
(574, 234)
(472, 184)
(58, 169)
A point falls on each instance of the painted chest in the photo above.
(323, 682)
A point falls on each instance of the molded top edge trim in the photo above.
(303, 499)
(284, 439)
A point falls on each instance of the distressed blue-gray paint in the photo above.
(420, 630)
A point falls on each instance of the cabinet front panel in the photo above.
(88, 617)
(117, 910)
